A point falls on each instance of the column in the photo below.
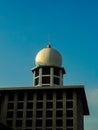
(64, 110)
(51, 76)
(54, 111)
(40, 77)
(44, 112)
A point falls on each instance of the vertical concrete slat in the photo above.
(4, 109)
(44, 112)
(75, 120)
(34, 110)
(24, 111)
(64, 110)
(54, 111)
(15, 110)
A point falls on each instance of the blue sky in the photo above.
(72, 27)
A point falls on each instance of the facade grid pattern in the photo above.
(47, 110)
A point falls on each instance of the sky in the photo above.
(71, 27)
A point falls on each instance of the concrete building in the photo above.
(48, 105)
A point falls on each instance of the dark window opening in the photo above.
(59, 95)
(36, 72)
(59, 113)
(48, 128)
(46, 70)
(18, 123)
(49, 95)
(10, 114)
(19, 114)
(39, 96)
(11, 96)
(69, 113)
(49, 113)
(49, 104)
(21, 96)
(45, 80)
(59, 104)
(69, 129)
(29, 114)
(10, 105)
(30, 96)
(56, 80)
(69, 122)
(38, 113)
(59, 129)
(36, 81)
(48, 122)
(69, 104)
(20, 105)
(59, 122)
(38, 123)
(27, 129)
(29, 123)
(69, 95)
(57, 71)
(29, 105)
(39, 105)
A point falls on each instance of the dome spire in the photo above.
(49, 45)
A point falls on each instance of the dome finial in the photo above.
(49, 46)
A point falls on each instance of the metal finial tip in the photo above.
(49, 46)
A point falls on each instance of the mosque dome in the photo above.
(48, 56)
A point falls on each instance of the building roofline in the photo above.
(42, 87)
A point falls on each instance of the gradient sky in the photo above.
(71, 27)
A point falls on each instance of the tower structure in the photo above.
(48, 70)
(48, 105)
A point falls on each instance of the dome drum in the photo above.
(42, 66)
(48, 76)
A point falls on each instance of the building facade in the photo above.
(48, 105)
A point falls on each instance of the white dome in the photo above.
(48, 56)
